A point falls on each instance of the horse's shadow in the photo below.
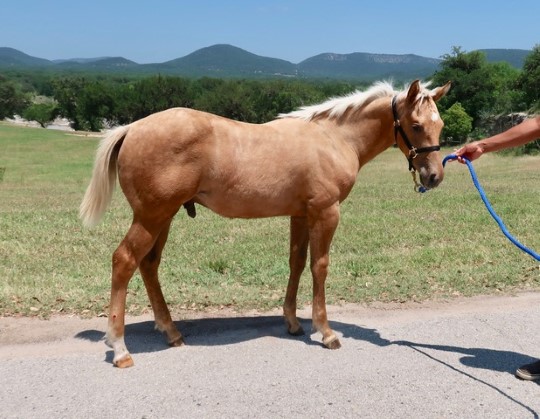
(143, 338)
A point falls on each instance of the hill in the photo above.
(371, 66)
(12, 58)
(515, 57)
(227, 61)
(98, 64)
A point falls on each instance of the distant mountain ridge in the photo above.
(10, 57)
(372, 65)
(228, 61)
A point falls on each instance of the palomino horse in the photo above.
(301, 165)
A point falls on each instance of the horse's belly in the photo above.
(252, 206)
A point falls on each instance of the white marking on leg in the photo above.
(119, 347)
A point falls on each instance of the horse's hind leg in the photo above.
(297, 262)
(138, 242)
(149, 271)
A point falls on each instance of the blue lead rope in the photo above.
(489, 207)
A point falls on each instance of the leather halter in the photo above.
(413, 151)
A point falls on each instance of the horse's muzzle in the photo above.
(431, 179)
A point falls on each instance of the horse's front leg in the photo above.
(321, 232)
(297, 263)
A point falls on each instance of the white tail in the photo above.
(99, 192)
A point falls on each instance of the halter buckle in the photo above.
(413, 153)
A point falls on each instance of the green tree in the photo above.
(232, 99)
(457, 125)
(507, 97)
(95, 104)
(43, 113)
(67, 92)
(86, 103)
(279, 96)
(12, 100)
(529, 81)
(144, 97)
(477, 85)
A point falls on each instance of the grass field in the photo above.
(392, 243)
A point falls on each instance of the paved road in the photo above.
(443, 360)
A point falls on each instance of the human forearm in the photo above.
(523, 133)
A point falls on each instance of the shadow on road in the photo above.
(482, 358)
(489, 359)
(143, 338)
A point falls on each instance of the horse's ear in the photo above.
(439, 92)
(413, 92)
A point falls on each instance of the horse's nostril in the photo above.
(433, 180)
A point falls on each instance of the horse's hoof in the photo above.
(332, 342)
(125, 362)
(179, 341)
(298, 332)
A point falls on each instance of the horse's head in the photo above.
(417, 127)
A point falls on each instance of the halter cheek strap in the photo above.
(413, 151)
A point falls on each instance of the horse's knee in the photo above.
(319, 267)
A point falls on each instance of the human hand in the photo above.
(469, 151)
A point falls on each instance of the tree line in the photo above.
(89, 102)
(479, 89)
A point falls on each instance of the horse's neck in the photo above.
(369, 131)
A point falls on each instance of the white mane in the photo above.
(337, 106)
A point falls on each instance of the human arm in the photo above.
(520, 134)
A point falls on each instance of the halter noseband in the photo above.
(413, 151)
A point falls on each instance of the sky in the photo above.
(294, 30)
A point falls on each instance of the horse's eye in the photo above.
(417, 127)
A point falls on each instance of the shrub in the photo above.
(457, 125)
